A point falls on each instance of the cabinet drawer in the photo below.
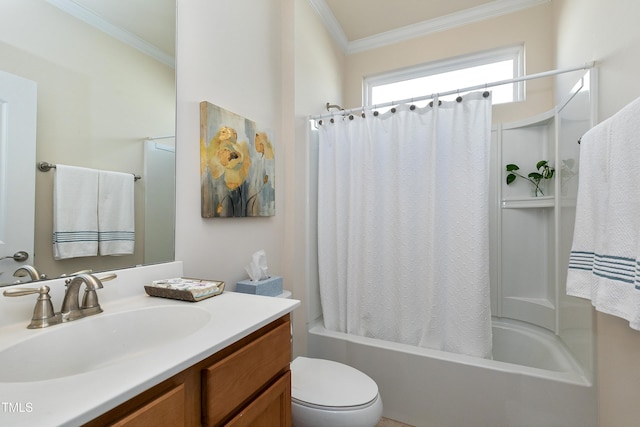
(271, 409)
(166, 410)
(234, 380)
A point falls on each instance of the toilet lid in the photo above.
(327, 383)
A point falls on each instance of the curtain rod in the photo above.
(585, 66)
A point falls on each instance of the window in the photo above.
(451, 75)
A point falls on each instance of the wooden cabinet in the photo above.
(166, 410)
(239, 377)
(271, 408)
(245, 384)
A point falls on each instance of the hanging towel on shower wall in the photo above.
(75, 216)
(116, 222)
(603, 265)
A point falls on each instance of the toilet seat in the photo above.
(324, 384)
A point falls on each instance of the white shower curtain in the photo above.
(403, 231)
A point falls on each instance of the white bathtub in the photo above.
(532, 381)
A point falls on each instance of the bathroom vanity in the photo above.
(148, 361)
(245, 382)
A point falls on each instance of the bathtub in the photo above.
(531, 381)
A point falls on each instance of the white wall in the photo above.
(608, 33)
(273, 62)
(229, 53)
(318, 79)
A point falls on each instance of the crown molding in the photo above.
(479, 13)
(89, 17)
(330, 23)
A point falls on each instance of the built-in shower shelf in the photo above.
(528, 202)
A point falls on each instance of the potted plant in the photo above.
(543, 172)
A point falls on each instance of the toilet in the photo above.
(325, 393)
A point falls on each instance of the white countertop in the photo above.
(76, 399)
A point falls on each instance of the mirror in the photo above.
(105, 78)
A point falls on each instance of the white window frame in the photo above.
(515, 53)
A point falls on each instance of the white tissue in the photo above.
(257, 268)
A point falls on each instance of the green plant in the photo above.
(544, 171)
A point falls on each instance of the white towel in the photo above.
(116, 218)
(75, 215)
(604, 258)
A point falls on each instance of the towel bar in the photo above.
(46, 167)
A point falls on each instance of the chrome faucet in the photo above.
(43, 314)
(29, 270)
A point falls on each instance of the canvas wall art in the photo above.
(237, 165)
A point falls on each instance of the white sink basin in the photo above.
(94, 342)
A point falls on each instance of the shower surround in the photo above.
(541, 373)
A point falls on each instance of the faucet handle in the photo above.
(43, 314)
(107, 277)
(18, 292)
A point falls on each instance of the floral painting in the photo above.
(237, 165)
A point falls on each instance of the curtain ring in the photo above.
(412, 107)
(485, 94)
(435, 96)
(459, 98)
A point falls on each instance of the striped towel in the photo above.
(604, 262)
(75, 216)
(116, 213)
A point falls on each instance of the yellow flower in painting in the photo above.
(226, 156)
(263, 145)
(237, 166)
(226, 133)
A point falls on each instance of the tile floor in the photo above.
(387, 422)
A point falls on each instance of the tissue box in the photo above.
(270, 287)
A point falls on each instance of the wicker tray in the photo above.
(184, 294)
